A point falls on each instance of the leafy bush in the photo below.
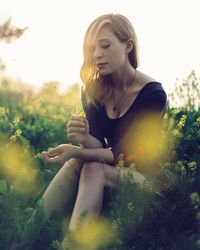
(163, 215)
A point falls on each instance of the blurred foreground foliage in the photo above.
(151, 218)
(9, 32)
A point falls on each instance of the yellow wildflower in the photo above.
(182, 169)
(2, 110)
(182, 121)
(192, 165)
(16, 120)
(16, 163)
(82, 114)
(13, 138)
(18, 132)
(197, 121)
(93, 234)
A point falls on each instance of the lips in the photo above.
(101, 64)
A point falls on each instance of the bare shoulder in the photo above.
(143, 78)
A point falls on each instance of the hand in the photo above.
(59, 155)
(78, 129)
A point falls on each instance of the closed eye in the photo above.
(105, 46)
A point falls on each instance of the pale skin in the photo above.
(82, 167)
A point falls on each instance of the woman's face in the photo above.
(108, 52)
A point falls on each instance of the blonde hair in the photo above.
(95, 86)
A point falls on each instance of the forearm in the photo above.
(94, 154)
(92, 142)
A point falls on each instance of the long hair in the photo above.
(96, 87)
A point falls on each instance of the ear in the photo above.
(129, 45)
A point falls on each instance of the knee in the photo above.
(93, 172)
(72, 165)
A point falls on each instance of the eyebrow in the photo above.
(101, 40)
(104, 40)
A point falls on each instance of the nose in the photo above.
(98, 54)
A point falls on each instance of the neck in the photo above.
(122, 79)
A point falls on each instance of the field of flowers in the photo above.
(31, 122)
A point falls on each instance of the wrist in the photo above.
(86, 142)
(77, 152)
(91, 142)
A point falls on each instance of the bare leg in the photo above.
(94, 177)
(63, 187)
(90, 193)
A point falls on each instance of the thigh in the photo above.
(114, 176)
(63, 187)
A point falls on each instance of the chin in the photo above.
(104, 72)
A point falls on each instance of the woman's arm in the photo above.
(91, 142)
(78, 131)
(64, 152)
(96, 135)
(95, 154)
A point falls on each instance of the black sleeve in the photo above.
(93, 119)
(141, 141)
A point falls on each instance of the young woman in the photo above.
(124, 109)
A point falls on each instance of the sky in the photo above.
(51, 47)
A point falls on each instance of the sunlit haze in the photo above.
(51, 47)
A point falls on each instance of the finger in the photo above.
(76, 127)
(53, 161)
(54, 151)
(77, 117)
(75, 123)
(86, 121)
(75, 130)
(45, 155)
(73, 136)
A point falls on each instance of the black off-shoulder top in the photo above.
(126, 134)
